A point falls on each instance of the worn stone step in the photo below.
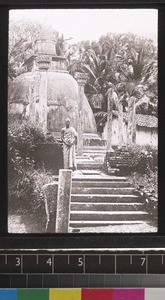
(98, 178)
(103, 198)
(118, 158)
(85, 160)
(102, 190)
(120, 163)
(108, 216)
(91, 165)
(83, 206)
(94, 151)
(105, 184)
(97, 147)
(79, 224)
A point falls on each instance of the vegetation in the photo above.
(25, 177)
(143, 159)
(121, 68)
(119, 58)
(124, 59)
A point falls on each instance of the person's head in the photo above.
(67, 122)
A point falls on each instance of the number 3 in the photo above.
(18, 262)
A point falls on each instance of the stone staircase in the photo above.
(101, 200)
(92, 158)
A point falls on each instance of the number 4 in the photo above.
(49, 261)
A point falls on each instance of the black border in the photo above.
(72, 241)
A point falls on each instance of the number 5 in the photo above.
(80, 261)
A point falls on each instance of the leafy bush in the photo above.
(22, 142)
(25, 196)
(25, 181)
(147, 181)
(143, 159)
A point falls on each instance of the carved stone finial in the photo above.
(81, 78)
(45, 42)
(43, 62)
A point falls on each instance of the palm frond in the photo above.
(93, 87)
(100, 114)
(88, 69)
(142, 101)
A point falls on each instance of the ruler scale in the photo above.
(82, 263)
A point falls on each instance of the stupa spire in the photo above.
(45, 42)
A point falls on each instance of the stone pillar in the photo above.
(43, 64)
(63, 201)
(131, 127)
(109, 120)
(32, 102)
(50, 191)
(81, 80)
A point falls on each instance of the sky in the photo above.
(90, 24)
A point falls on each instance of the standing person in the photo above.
(69, 138)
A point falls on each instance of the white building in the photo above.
(146, 129)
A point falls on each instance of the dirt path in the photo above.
(16, 225)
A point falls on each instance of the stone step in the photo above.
(103, 198)
(85, 161)
(91, 165)
(97, 178)
(105, 184)
(113, 161)
(108, 216)
(119, 157)
(97, 147)
(83, 206)
(79, 224)
(118, 164)
(90, 152)
(102, 190)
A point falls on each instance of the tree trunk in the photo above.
(131, 128)
(109, 120)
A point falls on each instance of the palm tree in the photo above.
(130, 64)
(98, 64)
(135, 76)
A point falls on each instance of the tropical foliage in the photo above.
(126, 61)
(120, 59)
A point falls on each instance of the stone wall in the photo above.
(50, 156)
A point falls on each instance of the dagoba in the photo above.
(47, 94)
